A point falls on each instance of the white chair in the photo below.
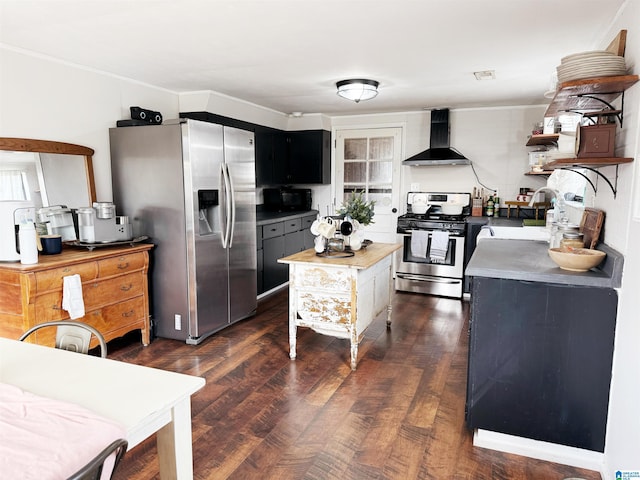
(72, 336)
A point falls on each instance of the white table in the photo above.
(144, 400)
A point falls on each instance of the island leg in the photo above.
(292, 338)
(354, 354)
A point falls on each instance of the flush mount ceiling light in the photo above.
(357, 89)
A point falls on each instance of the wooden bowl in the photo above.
(576, 259)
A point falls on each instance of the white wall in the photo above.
(492, 138)
(49, 100)
(622, 449)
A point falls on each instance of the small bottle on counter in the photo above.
(496, 205)
(490, 206)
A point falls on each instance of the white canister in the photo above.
(28, 244)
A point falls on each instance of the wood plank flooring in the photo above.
(400, 415)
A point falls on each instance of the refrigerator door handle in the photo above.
(225, 211)
(232, 204)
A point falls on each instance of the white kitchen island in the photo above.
(339, 296)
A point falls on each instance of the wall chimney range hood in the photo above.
(439, 152)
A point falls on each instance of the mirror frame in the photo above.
(50, 146)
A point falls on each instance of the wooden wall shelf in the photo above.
(591, 164)
(588, 94)
(549, 139)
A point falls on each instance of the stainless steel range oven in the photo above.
(431, 260)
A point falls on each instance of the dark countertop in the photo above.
(529, 260)
(264, 217)
(498, 221)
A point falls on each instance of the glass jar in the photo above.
(558, 230)
(572, 239)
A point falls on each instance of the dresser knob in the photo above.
(126, 288)
(123, 266)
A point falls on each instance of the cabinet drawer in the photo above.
(118, 316)
(112, 321)
(52, 279)
(96, 294)
(308, 221)
(292, 225)
(121, 264)
(272, 230)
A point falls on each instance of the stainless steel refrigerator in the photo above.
(190, 186)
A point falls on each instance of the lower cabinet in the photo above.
(281, 239)
(540, 358)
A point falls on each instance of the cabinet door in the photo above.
(293, 242)
(271, 156)
(306, 231)
(273, 273)
(540, 358)
(310, 156)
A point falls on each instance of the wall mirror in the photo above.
(46, 173)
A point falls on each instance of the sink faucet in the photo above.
(559, 209)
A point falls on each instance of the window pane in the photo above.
(355, 148)
(381, 148)
(380, 172)
(355, 172)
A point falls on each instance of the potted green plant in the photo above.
(357, 208)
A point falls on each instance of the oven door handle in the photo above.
(428, 278)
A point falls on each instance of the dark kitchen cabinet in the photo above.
(279, 239)
(309, 158)
(293, 158)
(540, 358)
(271, 155)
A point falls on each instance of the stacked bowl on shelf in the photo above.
(589, 65)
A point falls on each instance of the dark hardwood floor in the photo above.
(400, 415)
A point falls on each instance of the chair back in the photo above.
(72, 335)
(93, 469)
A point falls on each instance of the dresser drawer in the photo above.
(121, 264)
(52, 279)
(120, 316)
(95, 294)
(112, 321)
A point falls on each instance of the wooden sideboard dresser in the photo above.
(114, 289)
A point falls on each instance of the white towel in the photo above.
(439, 246)
(72, 300)
(419, 242)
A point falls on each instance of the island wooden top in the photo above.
(363, 258)
(71, 255)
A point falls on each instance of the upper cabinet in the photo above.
(283, 158)
(297, 157)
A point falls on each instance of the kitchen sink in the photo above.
(514, 233)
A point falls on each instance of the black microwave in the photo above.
(287, 199)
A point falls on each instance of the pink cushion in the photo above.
(42, 438)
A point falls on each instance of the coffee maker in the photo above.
(99, 224)
(12, 214)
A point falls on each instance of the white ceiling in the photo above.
(288, 54)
